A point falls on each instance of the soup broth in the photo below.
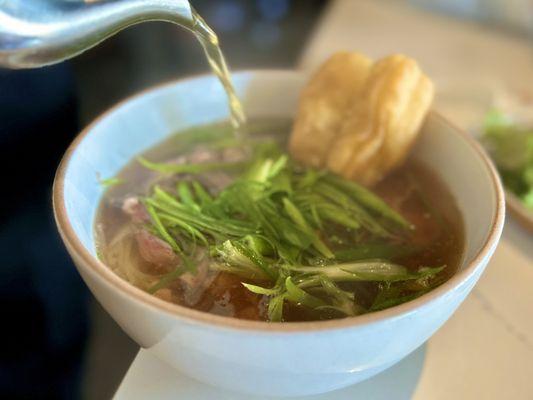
(345, 269)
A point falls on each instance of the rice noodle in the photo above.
(120, 255)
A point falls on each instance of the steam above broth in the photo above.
(201, 222)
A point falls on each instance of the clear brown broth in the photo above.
(438, 232)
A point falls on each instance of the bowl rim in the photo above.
(103, 273)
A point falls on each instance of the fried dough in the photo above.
(324, 103)
(368, 125)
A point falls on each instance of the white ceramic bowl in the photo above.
(258, 357)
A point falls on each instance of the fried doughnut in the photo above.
(324, 103)
(376, 125)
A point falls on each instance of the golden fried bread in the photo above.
(376, 126)
(418, 103)
(324, 103)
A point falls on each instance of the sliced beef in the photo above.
(155, 250)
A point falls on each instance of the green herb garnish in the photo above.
(109, 182)
(511, 148)
(293, 234)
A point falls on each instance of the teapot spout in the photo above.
(35, 33)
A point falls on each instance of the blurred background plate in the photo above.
(519, 211)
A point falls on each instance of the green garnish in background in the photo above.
(511, 148)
